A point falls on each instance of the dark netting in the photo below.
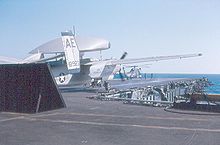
(28, 88)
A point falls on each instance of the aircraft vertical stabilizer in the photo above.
(71, 52)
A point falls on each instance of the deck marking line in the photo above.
(105, 115)
(123, 125)
(14, 118)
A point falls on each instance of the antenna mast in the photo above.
(74, 31)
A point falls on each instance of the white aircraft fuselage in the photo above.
(64, 77)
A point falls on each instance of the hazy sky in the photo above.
(140, 27)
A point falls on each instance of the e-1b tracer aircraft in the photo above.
(69, 68)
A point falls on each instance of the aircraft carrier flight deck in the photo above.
(94, 122)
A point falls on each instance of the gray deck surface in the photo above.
(94, 122)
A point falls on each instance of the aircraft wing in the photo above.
(34, 58)
(50, 58)
(151, 59)
(146, 59)
(8, 60)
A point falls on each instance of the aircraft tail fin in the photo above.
(71, 52)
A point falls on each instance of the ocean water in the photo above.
(213, 78)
